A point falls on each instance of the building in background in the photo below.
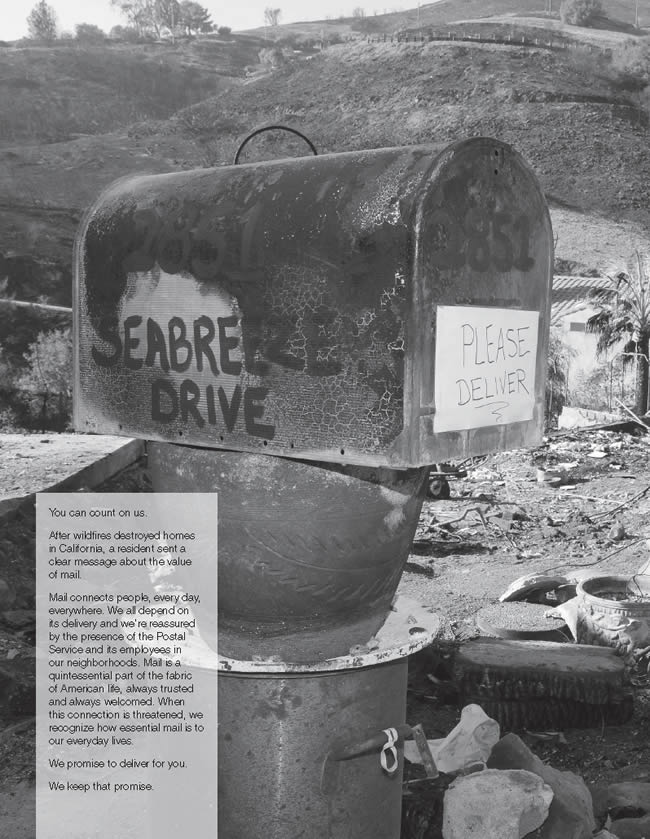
(593, 381)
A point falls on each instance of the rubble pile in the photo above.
(562, 648)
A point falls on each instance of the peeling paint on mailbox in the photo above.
(296, 307)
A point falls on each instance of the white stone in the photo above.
(495, 804)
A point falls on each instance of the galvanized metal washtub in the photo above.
(614, 611)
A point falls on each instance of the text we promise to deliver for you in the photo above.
(126, 667)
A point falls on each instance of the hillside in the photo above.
(68, 111)
(169, 107)
(619, 13)
(586, 138)
(49, 94)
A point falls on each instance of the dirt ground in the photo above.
(500, 523)
(597, 524)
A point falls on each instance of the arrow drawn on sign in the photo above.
(498, 407)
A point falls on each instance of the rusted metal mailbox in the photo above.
(384, 307)
(306, 337)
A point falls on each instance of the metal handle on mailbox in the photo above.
(272, 128)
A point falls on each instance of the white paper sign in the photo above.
(484, 367)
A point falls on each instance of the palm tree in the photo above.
(559, 357)
(624, 315)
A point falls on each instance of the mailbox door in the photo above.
(483, 271)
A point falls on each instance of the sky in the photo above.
(246, 14)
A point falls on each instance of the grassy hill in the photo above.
(618, 12)
(49, 94)
(70, 125)
(85, 116)
(566, 111)
(451, 10)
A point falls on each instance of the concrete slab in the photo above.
(18, 811)
(31, 463)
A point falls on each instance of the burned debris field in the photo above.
(501, 523)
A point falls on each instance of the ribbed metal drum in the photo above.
(310, 555)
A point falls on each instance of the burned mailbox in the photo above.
(385, 307)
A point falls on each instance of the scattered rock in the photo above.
(514, 515)
(471, 740)
(571, 814)
(495, 804)
(632, 828)
(481, 473)
(549, 532)
(617, 532)
(628, 799)
(421, 564)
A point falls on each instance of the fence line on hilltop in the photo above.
(507, 40)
